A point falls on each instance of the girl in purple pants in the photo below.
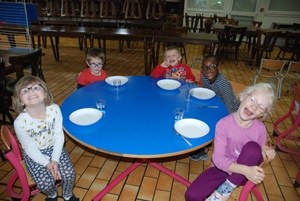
(239, 147)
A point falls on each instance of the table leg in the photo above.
(118, 179)
(55, 47)
(169, 172)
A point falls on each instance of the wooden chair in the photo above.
(291, 45)
(53, 9)
(271, 69)
(88, 9)
(155, 10)
(107, 9)
(265, 43)
(31, 60)
(292, 73)
(5, 96)
(237, 87)
(219, 19)
(250, 37)
(133, 10)
(229, 21)
(69, 9)
(175, 22)
(192, 21)
(233, 37)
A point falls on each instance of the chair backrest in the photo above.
(293, 67)
(208, 25)
(230, 21)
(33, 60)
(196, 72)
(173, 20)
(266, 39)
(237, 87)
(220, 19)
(234, 34)
(107, 9)
(292, 41)
(192, 22)
(155, 10)
(88, 9)
(296, 26)
(272, 65)
(69, 8)
(53, 8)
(133, 9)
(10, 141)
(256, 23)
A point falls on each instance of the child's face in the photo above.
(253, 105)
(32, 94)
(210, 69)
(172, 57)
(95, 65)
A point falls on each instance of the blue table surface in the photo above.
(139, 119)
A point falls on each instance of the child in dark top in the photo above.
(172, 67)
(95, 59)
(214, 80)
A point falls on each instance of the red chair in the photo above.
(248, 187)
(294, 117)
(13, 155)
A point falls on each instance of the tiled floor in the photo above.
(94, 170)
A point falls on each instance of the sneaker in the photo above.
(73, 198)
(52, 199)
(199, 156)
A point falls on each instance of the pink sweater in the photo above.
(230, 139)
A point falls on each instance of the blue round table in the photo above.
(139, 120)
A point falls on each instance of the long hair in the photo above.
(25, 82)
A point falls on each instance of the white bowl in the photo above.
(168, 84)
(85, 116)
(191, 128)
(110, 80)
(203, 93)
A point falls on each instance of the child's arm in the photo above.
(159, 71)
(268, 152)
(254, 174)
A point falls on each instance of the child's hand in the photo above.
(268, 153)
(165, 64)
(53, 167)
(255, 174)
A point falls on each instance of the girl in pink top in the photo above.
(239, 147)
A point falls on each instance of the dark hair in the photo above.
(213, 57)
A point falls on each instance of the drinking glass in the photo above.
(117, 83)
(100, 104)
(188, 95)
(178, 114)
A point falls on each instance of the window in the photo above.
(288, 5)
(244, 5)
(206, 4)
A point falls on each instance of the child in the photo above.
(239, 147)
(172, 68)
(214, 80)
(39, 130)
(95, 59)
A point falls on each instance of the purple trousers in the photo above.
(205, 184)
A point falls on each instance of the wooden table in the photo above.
(121, 34)
(139, 122)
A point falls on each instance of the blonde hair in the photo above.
(172, 48)
(23, 83)
(269, 91)
(95, 53)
